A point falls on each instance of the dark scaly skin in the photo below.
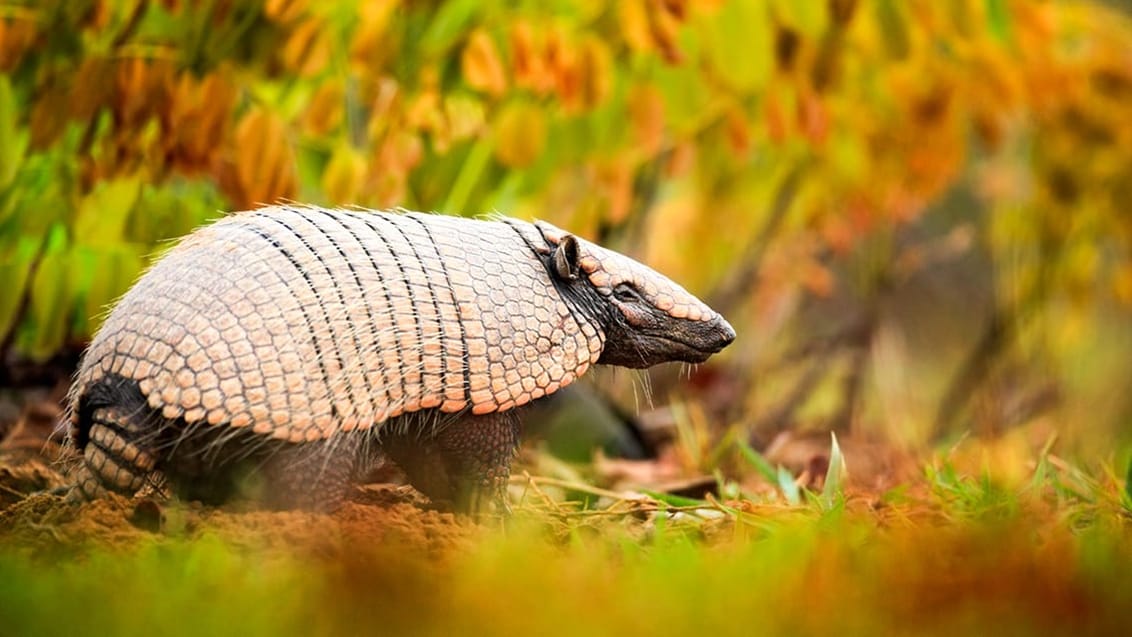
(465, 465)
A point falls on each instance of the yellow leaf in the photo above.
(633, 17)
(520, 134)
(342, 179)
(102, 215)
(465, 116)
(1122, 284)
(371, 33)
(481, 65)
(811, 19)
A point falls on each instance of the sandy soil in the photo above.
(34, 520)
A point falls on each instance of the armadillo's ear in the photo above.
(566, 258)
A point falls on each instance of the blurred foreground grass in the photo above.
(946, 554)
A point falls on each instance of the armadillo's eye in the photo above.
(626, 293)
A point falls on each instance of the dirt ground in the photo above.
(33, 519)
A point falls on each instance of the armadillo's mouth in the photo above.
(691, 352)
(683, 341)
(698, 341)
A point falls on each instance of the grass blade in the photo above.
(757, 460)
(788, 486)
(834, 474)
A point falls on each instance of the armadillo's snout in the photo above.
(718, 335)
(701, 339)
(724, 334)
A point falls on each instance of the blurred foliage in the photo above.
(767, 153)
(960, 556)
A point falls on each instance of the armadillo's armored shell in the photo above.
(303, 322)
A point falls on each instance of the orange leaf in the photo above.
(92, 88)
(265, 162)
(1122, 284)
(595, 70)
(663, 27)
(307, 50)
(481, 65)
(143, 85)
(284, 11)
(199, 119)
(520, 134)
(646, 110)
(527, 63)
(325, 109)
(17, 35)
(562, 63)
(401, 152)
(776, 124)
(813, 118)
(48, 115)
(738, 131)
(615, 179)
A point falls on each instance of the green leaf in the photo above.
(449, 24)
(101, 217)
(893, 28)
(470, 172)
(998, 18)
(100, 275)
(674, 500)
(740, 47)
(1128, 488)
(13, 138)
(14, 269)
(50, 301)
(811, 19)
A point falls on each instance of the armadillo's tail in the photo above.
(111, 431)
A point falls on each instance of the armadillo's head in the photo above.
(646, 317)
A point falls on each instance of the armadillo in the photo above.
(294, 348)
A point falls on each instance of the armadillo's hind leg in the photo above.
(116, 440)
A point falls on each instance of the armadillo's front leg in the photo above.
(465, 464)
(478, 451)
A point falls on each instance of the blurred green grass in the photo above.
(952, 554)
